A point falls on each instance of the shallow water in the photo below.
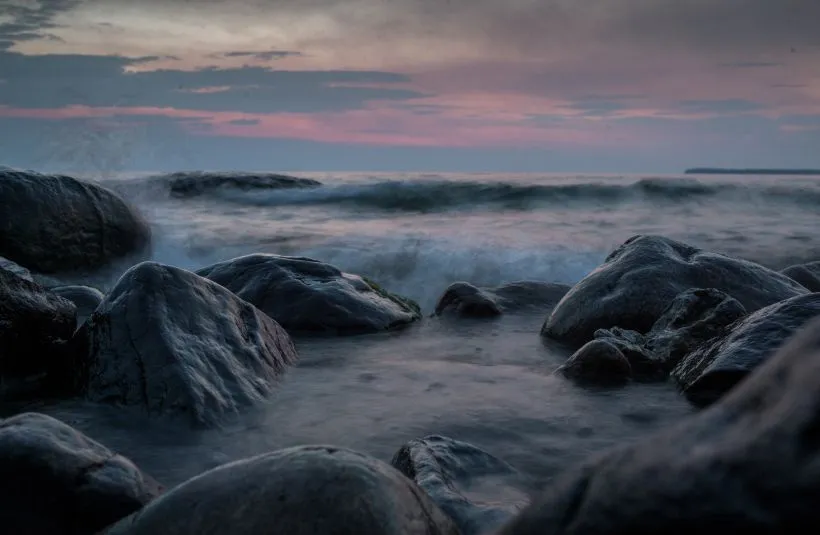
(487, 382)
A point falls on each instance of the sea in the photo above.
(489, 382)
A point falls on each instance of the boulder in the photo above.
(191, 184)
(85, 298)
(56, 224)
(34, 327)
(305, 295)
(806, 274)
(57, 481)
(598, 363)
(18, 270)
(308, 490)
(170, 341)
(477, 490)
(708, 373)
(638, 280)
(748, 464)
(464, 299)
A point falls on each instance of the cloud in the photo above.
(26, 21)
(264, 55)
(752, 64)
(721, 107)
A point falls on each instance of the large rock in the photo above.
(310, 490)
(708, 373)
(306, 295)
(57, 481)
(597, 363)
(748, 464)
(170, 341)
(55, 223)
(35, 326)
(464, 299)
(806, 274)
(191, 184)
(15, 268)
(638, 280)
(85, 298)
(477, 490)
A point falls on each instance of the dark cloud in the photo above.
(752, 64)
(244, 122)
(264, 56)
(721, 106)
(29, 22)
(54, 81)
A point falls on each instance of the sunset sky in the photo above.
(434, 85)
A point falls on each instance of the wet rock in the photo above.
(172, 342)
(708, 373)
(55, 223)
(34, 327)
(57, 481)
(637, 282)
(748, 464)
(309, 490)
(306, 295)
(477, 490)
(598, 362)
(467, 300)
(806, 274)
(18, 270)
(85, 298)
(190, 184)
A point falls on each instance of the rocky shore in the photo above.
(739, 340)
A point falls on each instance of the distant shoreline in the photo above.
(730, 171)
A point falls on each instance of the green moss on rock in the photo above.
(407, 304)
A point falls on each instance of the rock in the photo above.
(467, 300)
(638, 280)
(748, 464)
(85, 298)
(55, 223)
(598, 362)
(57, 481)
(190, 184)
(173, 342)
(477, 490)
(309, 490)
(306, 295)
(18, 270)
(806, 274)
(708, 373)
(34, 328)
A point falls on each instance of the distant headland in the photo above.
(730, 171)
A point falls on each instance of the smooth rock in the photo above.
(638, 280)
(476, 489)
(467, 300)
(708, 373)
(57, 481)
(170, 341)
(309, 490)
(18, 270)
(748, 464)
(55, 223)
(35, 326)
(806, 274)
(598, 362)
(190, 184)
(85, 298)
(306, 295)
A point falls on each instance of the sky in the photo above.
(604, 86)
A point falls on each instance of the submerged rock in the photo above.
(55, 223)
(467, 300)
(806, 274)
(477, 490)
(57, 481)
(309, 490)
(173, 342)
(190, 184)
(34, 327)
(305, 295)
(748, 464)
(638, 280)
(708, 373)
(598, 362)
(85, 298)
(18, 270)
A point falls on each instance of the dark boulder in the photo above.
(477, 490)
(57, 481)
(190, 184)
(35, 326)
(173, 342)
(598, 363)
(85, 298)
(58, 224)
(708, 373)
(748, 464)
(309, 490)
(806, 274)
(638, 280)
(305, 295)
(18, 270)
(467, 300)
